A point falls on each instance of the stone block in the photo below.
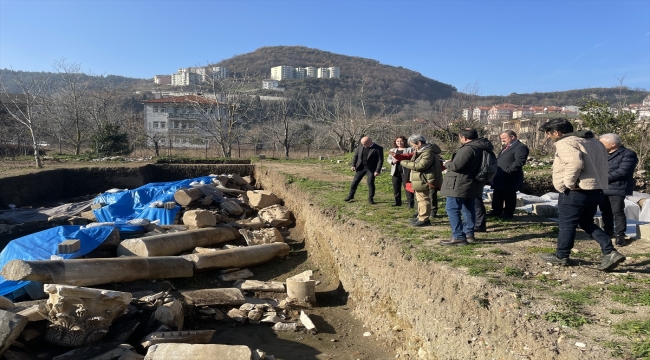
(236, 275)
(302, 288)
(30, 312)
(643, 231)
(260, 199)
(276, 216)
(68, 246)
(171, 314)
(256, 285)
(97, 206)
(214, 297)
(6, 304)
(106, 351)
(199, 218)
(172, 351)
(185, 337)
(545, 210)
(11, 325)
(306, 321)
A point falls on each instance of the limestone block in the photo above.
(130, 355)
(255, 223)
(185, 337)
(97, 206)
(276, 216)
(185, 196)
(89, 215)
(231, 207)
(214, 297)
(256, 285)
(6, 304)
(643, 231)
(254, 315)
(236, 275)
(80, 316)
(174, 243)
(545, 210)
(241, 257)
(10, 327)
(171, 314)
(238, 179)
(199, 218)
(68, 246)
(198, 250)
(30, 312)
(285, 326)
(238, 315)
(198, 352)
(260, 199)
(262, 236)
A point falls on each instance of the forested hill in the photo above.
(613, 96)
(54, 79)
(385, 83)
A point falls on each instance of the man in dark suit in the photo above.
(622, 162)
(368, 160)
(510, 175)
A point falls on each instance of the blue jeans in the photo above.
(577, 208)
(461, 228)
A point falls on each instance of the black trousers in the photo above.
(613, 210)
(479, 210)
(433, 195)
(357, 179)
(399, 182)
(499, 197)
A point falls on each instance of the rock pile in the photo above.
(227, 225)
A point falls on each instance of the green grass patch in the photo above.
(514, 272)
(633, 327)
(540, 250)
(427, 255)
(629, 295)
(498, 251)
(579, 297)
(570, 319)
(475, 266)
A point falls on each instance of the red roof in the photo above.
(191, 99)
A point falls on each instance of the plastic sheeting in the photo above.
(42, 245)
(135, 204)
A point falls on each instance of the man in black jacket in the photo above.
(367, 160)
(510, 175)
(621, 162)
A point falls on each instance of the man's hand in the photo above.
(376, 174)
(354, 168)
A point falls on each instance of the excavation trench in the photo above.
(410, 309)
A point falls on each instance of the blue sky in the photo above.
(508, 46)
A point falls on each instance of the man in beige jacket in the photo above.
(580, 176)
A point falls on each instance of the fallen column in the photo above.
(174, 243)
(240, 257)
(185, 196)
(85, 272)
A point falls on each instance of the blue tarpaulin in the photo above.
(135, 204)
(43, 244)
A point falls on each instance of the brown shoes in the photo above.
(454, 242)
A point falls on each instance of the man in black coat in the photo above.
(367, 160)
(621, 162)
(510, 175)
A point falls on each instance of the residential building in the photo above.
(570, 108)
(500, 112)
(162, 79)
(300, 73)
(312, 72)
(219, 72)
(282, 72)
(323, 73)
(335, 72)
(480, 113)
(270, 84)
(181, 120)
(185, 77)
(522, 112)
(646, 101)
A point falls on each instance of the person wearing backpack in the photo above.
(461, 186)
(510, 175)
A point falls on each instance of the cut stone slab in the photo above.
(262, 236)
(11, 325)
(171, 314)
(185, 337)
(231, 207)
(545, 210)
(255, 223)
(198, 352)
(214, 297)
(285, 326)
(6, 304)
(256, 285)
(237, 315)
(198, 250)
(30, 312)
(174, 243)
(107, 351)
(236, 275)
(306, 321)
(199, 218)
(260, 199)
(68, 246)
(643, 231)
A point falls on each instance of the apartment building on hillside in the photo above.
(323, 73)
(162, 79)
(282, 72)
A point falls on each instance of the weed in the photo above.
(579, 297)
(426, 255)
(547, 280)
(616, 311)
(475, 266)
(536, 250)
(498, 251)
(567, 319)
(617, 348)
(513, 272)
(634, 327)
(629, 295)
(641, 350)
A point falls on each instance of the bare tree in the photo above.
(27, 108)
(284, 123)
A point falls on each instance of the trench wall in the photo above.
(428, 311)
(49, 186)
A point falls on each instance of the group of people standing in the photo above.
(586, 172)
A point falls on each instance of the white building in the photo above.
(335, 72)
(270, 84)
(162, 79)
(323, 73)
(181, 119)
(219, 72)
(312, 72)
(185, 77)
(282, 72)
(300, 73)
